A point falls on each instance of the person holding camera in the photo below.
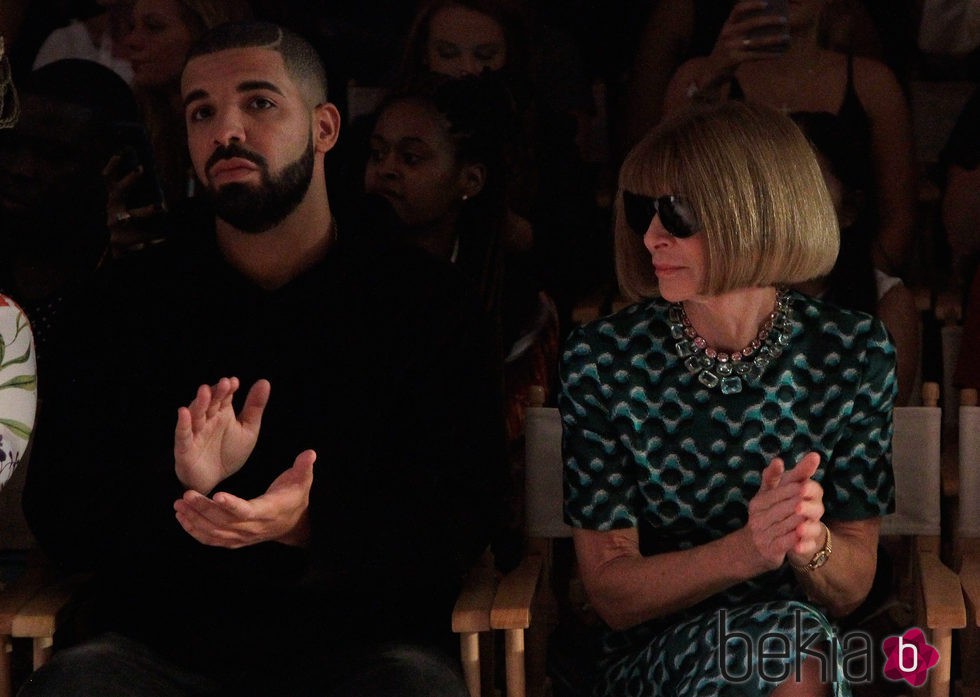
(771, 53)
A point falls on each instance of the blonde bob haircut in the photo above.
(752, 180)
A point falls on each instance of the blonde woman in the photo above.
(157, 44)
(726, 440)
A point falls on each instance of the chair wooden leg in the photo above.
(6, 675)
(545, 613)
(939, 676)
(469, 653)
(514, 650)
(42, 650)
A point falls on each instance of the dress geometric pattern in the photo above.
(647, 446)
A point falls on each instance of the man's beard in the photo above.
(255, 209)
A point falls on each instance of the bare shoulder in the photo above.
(876, 84)
(689, 74)
(690, 69)
(898, 303)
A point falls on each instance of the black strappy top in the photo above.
(850, 129)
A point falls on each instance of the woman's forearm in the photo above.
(626, 588)
(843, 582)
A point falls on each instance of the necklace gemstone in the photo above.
(727, 371)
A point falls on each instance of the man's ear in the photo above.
(472, 178)
(326, 127)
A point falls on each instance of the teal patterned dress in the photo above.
(647, 446)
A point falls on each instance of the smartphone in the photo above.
(776, 8)
(134, 149)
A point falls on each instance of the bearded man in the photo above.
(311, 543)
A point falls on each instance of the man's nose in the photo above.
(229, 128)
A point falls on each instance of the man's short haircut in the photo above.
(755, 185)
(300, 58)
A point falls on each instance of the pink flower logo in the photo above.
(909, 657)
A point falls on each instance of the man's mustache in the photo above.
(227, 152)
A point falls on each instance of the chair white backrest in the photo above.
(543, 474)
(916, 456)
(968, 525)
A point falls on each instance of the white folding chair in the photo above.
(932, 588)
(524, 604)
(471, 620)
(967, 538)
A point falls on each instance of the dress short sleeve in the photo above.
(599, 493)
(859, 482)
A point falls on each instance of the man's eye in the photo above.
(410, 158)
(200, 113)
(486, 56)
(261, 103)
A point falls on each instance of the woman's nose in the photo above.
(656, 236)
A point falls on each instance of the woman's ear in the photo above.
(472, 179)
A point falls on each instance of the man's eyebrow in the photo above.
(250, 85)
(194, 95)
(247, 86)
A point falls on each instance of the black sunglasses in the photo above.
(675, 214)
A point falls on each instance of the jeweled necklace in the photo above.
(729, 371)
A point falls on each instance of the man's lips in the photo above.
(235, 166)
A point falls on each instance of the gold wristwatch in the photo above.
(820, 558)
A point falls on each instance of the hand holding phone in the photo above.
(133, 173)
(135, 193)
(768, 27)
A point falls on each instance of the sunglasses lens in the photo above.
(676, 217)
(639, 211)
